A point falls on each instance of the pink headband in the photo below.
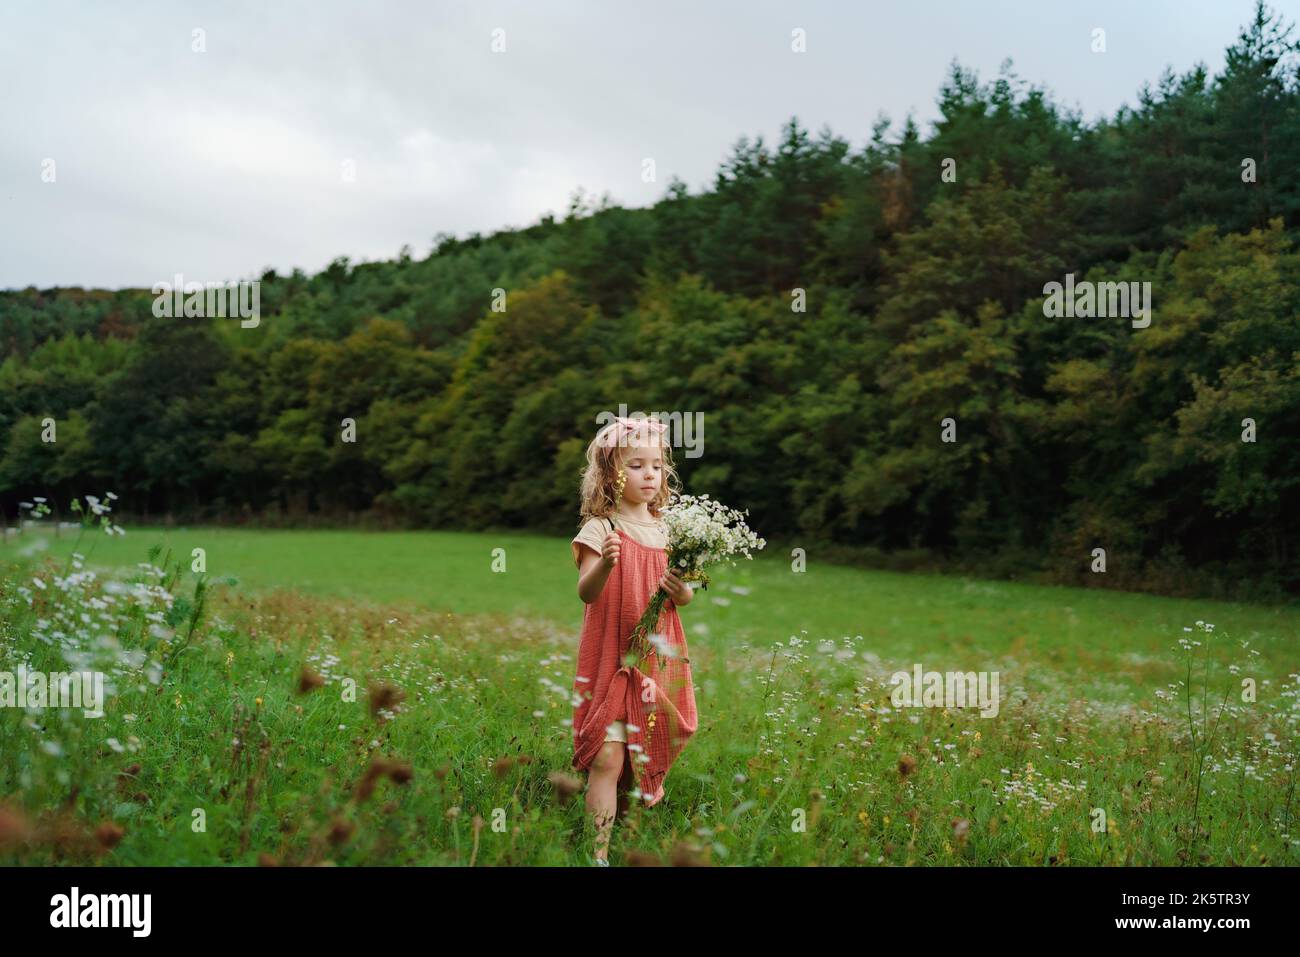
(622, 427)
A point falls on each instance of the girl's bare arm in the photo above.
(593, 569)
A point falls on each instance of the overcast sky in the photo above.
(219, 163)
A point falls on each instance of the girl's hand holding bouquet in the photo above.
(701, 532)
(677, 590)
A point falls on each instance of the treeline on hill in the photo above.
(924, 300)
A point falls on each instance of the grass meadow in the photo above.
(358, 698)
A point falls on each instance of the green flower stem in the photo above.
(637, 643)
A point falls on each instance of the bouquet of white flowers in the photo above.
(701, 532)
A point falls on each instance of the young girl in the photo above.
(631, 720)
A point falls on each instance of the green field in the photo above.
(799, 759)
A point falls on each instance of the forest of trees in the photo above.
(924, 301)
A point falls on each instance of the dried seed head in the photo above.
(566, 785)
(384, 696)
(109, 835)
(309, 680)
(340, 831)
(14, 828)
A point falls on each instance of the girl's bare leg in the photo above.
(602, 792)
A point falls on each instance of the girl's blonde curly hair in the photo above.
(605, 456)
